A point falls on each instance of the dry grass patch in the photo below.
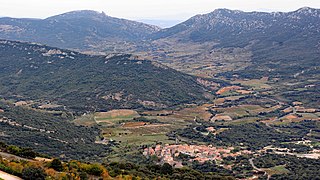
(276, 170)
(134, 124)
(85, 120)
(227, 89)
(115, 116)
(256, 84)
(189, 114)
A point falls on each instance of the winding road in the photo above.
(258, 169)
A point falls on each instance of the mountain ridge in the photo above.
(91, 83)
(236, 18)
(74, 30)
(271, 38)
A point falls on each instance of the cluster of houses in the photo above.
(201, 153)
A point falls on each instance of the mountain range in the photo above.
(264, 41)
(280, 44)
(226, 43)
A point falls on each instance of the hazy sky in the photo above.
(145, 9)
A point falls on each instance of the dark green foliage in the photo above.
(166, 169)
(143, 119)
(152, 171)
(18, 151)
(83, 176)
(33, 173)
(299, 168)
(309, 96)
(296, 148)
(254, 135)
(51, 135)
(56, 164)
(209, 166)
(242, 167)
(94, 169)
(89, 83)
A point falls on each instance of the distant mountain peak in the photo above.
(79, 14)
(305, 9)
(224, 10)
(83, 29)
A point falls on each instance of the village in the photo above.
(201, 153)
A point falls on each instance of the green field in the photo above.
(277, 170)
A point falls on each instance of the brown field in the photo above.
(134, 124)
(227, 89)
(311, 116)
(116, 113)
(290, 117)
(219, 101)
(244, 91)
(157, 113)
(189, 114)
(239, 111)
(233, 98)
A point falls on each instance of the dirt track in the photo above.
(7, 176)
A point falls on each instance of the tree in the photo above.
(33, 173)
(56, 165)
(83, 176)
(95, 169)
(166, 168)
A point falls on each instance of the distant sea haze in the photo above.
(160, 23)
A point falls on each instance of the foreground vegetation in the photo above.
(56, 169)
(49, 134)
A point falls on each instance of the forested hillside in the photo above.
(49, 134)
(91, 83)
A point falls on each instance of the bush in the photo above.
(33, 173)
(56, 165)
